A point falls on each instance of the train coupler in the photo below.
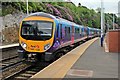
(32, 57)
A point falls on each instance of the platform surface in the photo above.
(95, 59)
(10, 45)
(88, 56)
(60, 67)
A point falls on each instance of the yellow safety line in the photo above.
(60, 67)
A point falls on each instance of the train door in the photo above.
(72, 36)
(85, 32)
(62, 33)
(82, 32)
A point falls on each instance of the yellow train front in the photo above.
(35, 36)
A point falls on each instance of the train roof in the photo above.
(51, 16)
(42, 14)
(57, 18)
(94, 29)
(68, 22)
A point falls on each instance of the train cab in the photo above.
(36, 34)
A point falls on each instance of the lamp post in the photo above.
(113, 22)
(101, 23)
(118, 14)
(27, 8)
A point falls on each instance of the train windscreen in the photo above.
(36, 30)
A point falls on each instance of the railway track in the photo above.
(27, 71)
(17, 70)
(9, 58)
(12, 66)
(8, 62)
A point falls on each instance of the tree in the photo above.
(98, 10)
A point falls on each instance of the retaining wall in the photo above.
(113, 41)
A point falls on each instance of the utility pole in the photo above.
(27, 8)
(102, 23)
(113, 22)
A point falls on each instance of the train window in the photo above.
(77, 30)
(44, 28)
(36, 30)
(92, 32)
(60, 31)
(83, 31)
(27, 30)
(67, 30)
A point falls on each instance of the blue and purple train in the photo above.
(44, 36)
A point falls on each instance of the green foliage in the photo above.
(5, 10)
(81, 14)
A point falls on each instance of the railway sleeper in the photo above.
(30, 72)
(26, 75)
(21, 78)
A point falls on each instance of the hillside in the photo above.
(80, 15)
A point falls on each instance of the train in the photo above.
(43, 36)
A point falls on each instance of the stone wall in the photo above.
(10, 27)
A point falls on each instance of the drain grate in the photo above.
(81, 73)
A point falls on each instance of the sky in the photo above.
(110, 6)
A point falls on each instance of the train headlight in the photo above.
(46, 46)
(24, 45)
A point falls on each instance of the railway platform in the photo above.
(88, 60)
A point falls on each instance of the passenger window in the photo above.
(67, 30)
(80, 30)
(77, 30)
(60, 31)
